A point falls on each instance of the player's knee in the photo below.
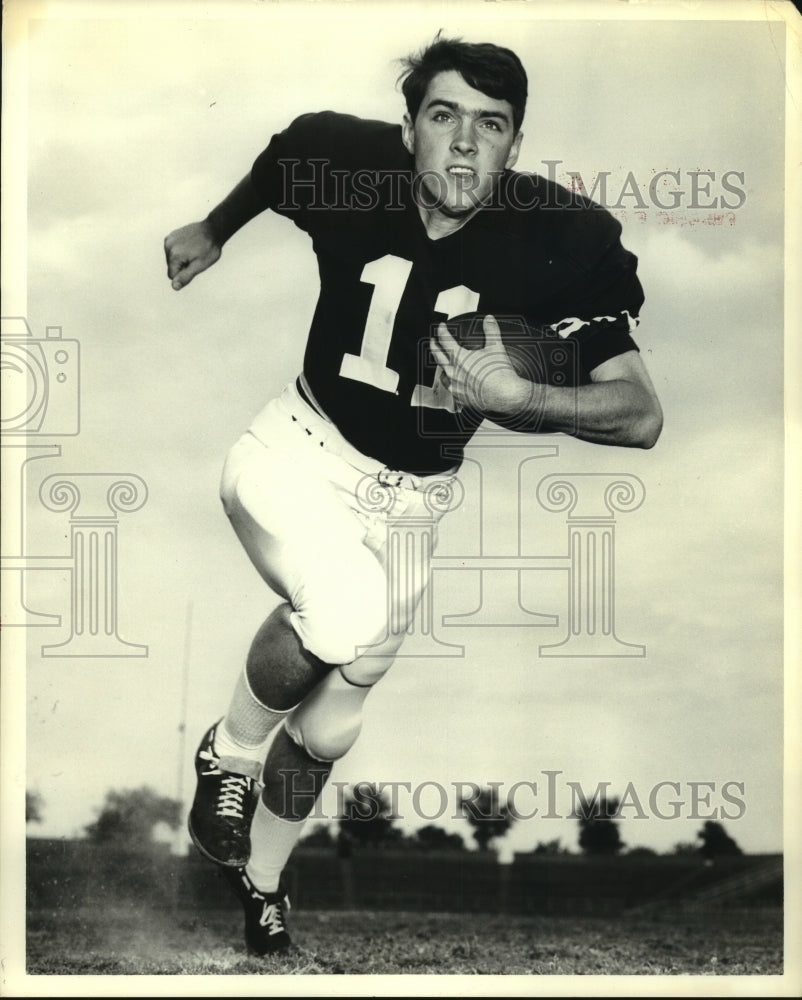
(327, 722)
(325, 739)
(279, 670)
(369, 668)
(337, 645)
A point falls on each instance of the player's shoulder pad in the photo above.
(573, 223)
(355, 142)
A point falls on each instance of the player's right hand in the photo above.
(189, 250)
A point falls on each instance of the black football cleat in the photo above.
(225, 799)
(265, 914)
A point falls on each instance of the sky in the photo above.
(137, 125)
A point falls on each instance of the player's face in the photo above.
(462, 140)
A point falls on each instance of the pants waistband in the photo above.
(300, 404)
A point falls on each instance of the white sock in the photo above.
(272, 841)
(247, 726)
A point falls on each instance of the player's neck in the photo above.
(438, 225)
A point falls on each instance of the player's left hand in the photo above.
(483, 380)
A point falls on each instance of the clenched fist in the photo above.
(190, 250)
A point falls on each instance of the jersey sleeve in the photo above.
(287, 174)
(601, 307)
(306, 171)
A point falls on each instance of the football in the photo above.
(537, 353)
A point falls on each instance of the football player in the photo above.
(411, 225)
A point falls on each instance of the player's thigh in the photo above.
(308, 546)
(405, 554)
(404, 550)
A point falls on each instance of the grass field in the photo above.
(130, 941)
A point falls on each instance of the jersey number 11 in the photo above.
(389, 276)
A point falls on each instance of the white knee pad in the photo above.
(327, 722)
(373, 663)
(338, 621)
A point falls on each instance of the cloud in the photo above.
(736, 268)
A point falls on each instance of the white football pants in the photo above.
(315, 517)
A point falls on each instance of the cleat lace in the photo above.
(213, 760)
(272, 918)
(233, 787)
(233, 790)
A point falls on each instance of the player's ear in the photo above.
(514, 151)
(408, 134)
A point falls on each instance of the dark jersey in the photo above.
(534, 251)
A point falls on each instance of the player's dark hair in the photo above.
(493, 70)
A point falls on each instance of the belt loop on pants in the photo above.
(305, 411)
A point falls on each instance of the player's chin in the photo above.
(454, 196)
(456, 211)
(461, 203)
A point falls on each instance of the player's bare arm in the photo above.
(620, 407)
(192, 249)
